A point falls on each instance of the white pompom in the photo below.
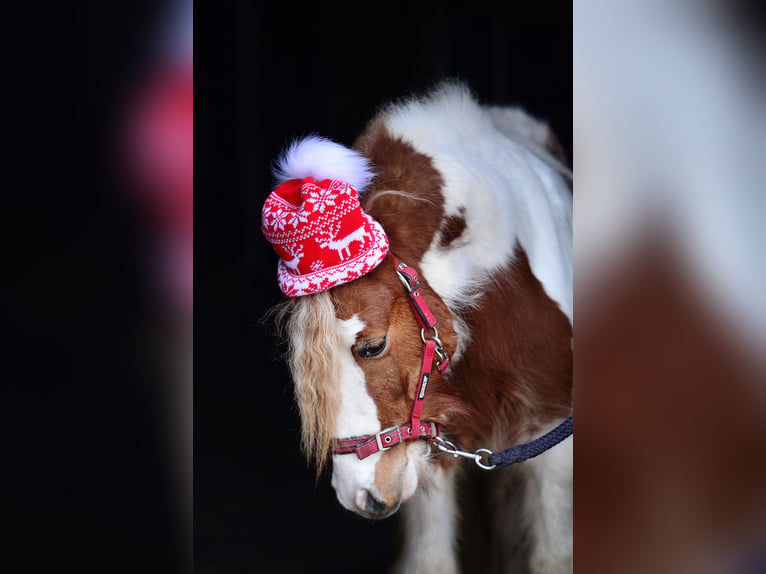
(320, 158)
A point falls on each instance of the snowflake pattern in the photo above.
(278, 218)
(318, 199)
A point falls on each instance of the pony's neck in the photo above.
(515, 375)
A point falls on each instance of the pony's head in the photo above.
(355, 355)
(355, 345)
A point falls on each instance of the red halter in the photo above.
(366, 445)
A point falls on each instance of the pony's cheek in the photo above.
(409, 481)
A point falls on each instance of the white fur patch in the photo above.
(505, 192)
(430, 520)
(321, 158)
(548, 509)
(358, 416)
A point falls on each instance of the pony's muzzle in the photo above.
(369, 505)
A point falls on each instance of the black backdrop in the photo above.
(84, 479)
(266, 72)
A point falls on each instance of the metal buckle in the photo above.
(439, 350)
(406, 279)
(378, 440)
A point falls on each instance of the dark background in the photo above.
(266, 72)
(86, 479)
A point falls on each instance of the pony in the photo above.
(477, 204)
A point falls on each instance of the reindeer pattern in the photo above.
(343, 244)
(296, 253)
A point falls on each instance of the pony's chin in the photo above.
(369, 516)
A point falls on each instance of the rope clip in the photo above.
(450, 447)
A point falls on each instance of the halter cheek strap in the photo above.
(409, 278)
(431, 346)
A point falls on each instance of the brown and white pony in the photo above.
(473, 198)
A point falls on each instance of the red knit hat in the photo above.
(317, 226)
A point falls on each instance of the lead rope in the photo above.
(518, 453)
(531, 449)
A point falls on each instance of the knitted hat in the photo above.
(315, 222)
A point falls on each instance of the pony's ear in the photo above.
(321, 158)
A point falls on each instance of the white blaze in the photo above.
(358, 416)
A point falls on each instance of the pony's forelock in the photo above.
(312, 348)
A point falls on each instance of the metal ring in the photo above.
(435, 337)
(477, 459)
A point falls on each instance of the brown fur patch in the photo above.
(452, 228)
(388, 476)
(516, 373)
(411, 218)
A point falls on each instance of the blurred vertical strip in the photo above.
(93, 430)
(159, 138)
(670, 275)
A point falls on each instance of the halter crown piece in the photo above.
(314, 220)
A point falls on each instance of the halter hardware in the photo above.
(388, 440)
(450, 447)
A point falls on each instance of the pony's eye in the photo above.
(371, 348)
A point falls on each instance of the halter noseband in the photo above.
(366, 445)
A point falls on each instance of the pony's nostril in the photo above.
(371, 505)
(375, 506)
